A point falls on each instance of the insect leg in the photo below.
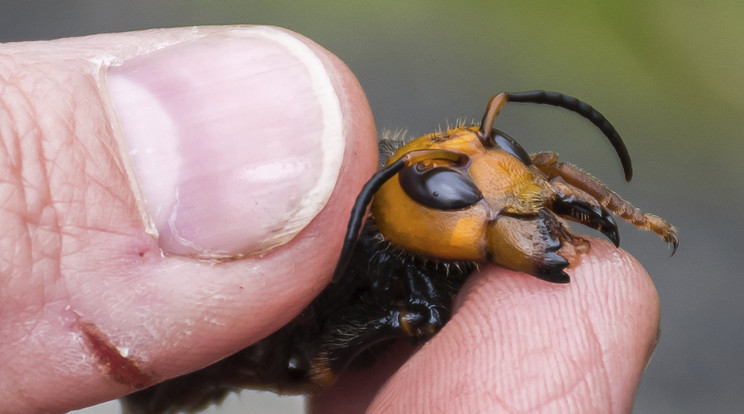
(357, 329)
(413, 302)
(547, 162)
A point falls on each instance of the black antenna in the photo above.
(359, 210)
(370, 188)
(583, 109)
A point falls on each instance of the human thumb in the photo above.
(168, 197)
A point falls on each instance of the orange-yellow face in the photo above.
(502, 224)
(473, 193)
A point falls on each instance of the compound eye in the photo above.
(441, 188)
(508, 144)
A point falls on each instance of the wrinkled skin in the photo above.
(75, 250)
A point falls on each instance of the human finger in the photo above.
(518, 344)
(170, 197)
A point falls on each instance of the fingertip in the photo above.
(114, 295)
(520, 344)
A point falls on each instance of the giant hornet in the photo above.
(440, 204)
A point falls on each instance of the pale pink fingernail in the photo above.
(236, 139)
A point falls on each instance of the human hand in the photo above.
(238, 139)
(83, 265)
(520, 345)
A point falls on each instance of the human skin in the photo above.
(122, 264)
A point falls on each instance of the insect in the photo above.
(441, 203)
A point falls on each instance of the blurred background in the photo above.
(668, 74)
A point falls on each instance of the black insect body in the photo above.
(442, 203)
